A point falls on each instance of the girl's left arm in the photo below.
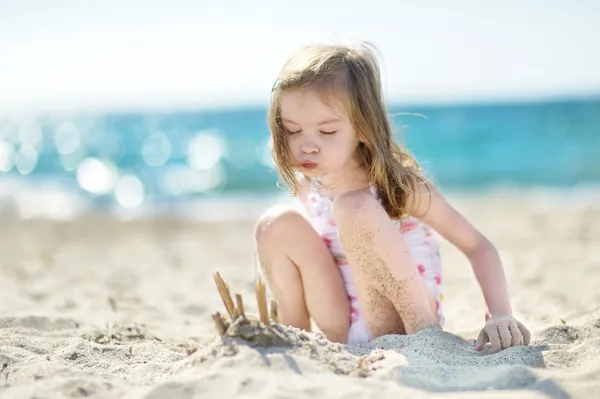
(430, 206)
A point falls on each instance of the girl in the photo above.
(364, 261)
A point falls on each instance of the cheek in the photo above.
(339, 150)
(348, 147)
(291, 144)
(293, 147)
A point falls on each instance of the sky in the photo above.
(81, 54)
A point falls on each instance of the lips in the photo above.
(308, 165)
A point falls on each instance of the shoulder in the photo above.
(430, 206)
(420, 201)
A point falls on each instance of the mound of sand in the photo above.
(45, 357)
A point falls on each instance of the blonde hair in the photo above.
(353, 71)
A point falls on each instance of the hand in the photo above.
(502, 331)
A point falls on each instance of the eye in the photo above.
(329, 133)
(289, 131)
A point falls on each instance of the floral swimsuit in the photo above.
(420, 238)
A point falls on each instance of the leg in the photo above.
(386, 275)
(302, 274)
(380, 313)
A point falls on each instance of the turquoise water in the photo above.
(149, 158)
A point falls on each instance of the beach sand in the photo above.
(104, 308)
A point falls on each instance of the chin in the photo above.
(310, 172)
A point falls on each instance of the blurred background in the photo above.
(141, 108)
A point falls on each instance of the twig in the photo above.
(274, 311)
(224, 293)
(218, 323)
(240, 305)
(261, 299)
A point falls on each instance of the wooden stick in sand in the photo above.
(240, 305)
(218, 323)
(261, 299)
(224, 293)
(274, 311)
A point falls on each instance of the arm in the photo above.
(432, 208)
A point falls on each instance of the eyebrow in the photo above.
(325, 122)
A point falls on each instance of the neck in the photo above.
(351, 178)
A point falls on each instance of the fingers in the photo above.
(517, 337)
(482, 339)
(525, 332)
(494, 334)
(505, 335)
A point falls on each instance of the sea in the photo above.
(214, 163)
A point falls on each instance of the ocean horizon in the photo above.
(142, 162)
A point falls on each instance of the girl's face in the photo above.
(320, 135)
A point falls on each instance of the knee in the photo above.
(356, 206)
(276, 223)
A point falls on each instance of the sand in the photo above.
(104, 308)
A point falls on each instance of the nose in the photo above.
(309, 147)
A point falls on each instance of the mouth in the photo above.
(308, 165)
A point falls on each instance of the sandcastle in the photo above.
(264, 331)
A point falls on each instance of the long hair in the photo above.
(353, 72)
